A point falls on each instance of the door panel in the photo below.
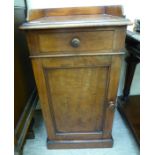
(77, 97)
(77, 90)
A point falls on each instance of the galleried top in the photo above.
(75, 17)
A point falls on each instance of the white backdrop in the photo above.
(130, 6)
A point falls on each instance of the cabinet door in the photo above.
(75, 93)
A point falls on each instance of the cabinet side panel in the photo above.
(42, 91)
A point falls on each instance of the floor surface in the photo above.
(124, 142)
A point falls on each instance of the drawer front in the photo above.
(107, 40)
(75, 41)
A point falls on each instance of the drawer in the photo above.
(72, 42)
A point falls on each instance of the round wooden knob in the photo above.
(112, 106)
(75, 42)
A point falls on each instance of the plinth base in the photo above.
(70, 144)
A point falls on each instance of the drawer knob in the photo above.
(112, 106)
(75, 42)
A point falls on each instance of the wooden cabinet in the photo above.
(76, 68)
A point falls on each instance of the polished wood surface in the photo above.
(79, 90)
(77, 82)
(67, 144)
(115, 10)
(50, 42)
(74, 21)
(76, 100)
(89, 41)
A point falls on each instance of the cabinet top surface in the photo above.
(75, 21)
(75, 18)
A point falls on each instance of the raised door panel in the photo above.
(76, 91)
(77, 98)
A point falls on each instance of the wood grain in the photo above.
(83, 75)
(115, 10)
(96, 40)
(77, 86)
(89, 41)
(100, 143)
(74, 21)
(112, 92)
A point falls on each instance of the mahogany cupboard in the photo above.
(76, 55)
